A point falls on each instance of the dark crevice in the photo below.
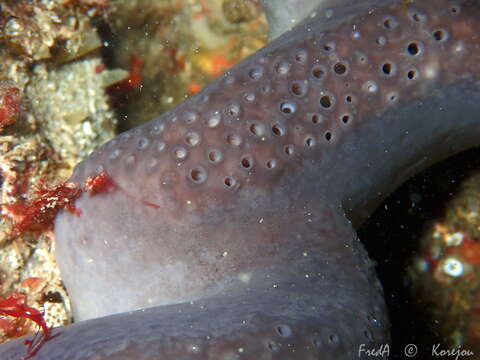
(391, 237)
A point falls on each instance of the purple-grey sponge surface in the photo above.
(229, 217)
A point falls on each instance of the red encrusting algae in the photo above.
(14, 306)
(98, 184)
(38, 214)
(134, 79)
(9, 106)
(121, 91)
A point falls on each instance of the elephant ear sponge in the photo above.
(227, 213)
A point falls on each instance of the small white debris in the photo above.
(370, 87)
(452, 267)
(454, 239)
(87, 128)
(245, 277)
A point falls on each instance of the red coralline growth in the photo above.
(120, 92)
(14, 306)
(11, 327)
(220, 64)
(469, 251)
(98, 184)
(38, 214)
(136, 65)
(193, 88)
(177, 62)
(134, 79)
(9, 105)
(99, 68)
